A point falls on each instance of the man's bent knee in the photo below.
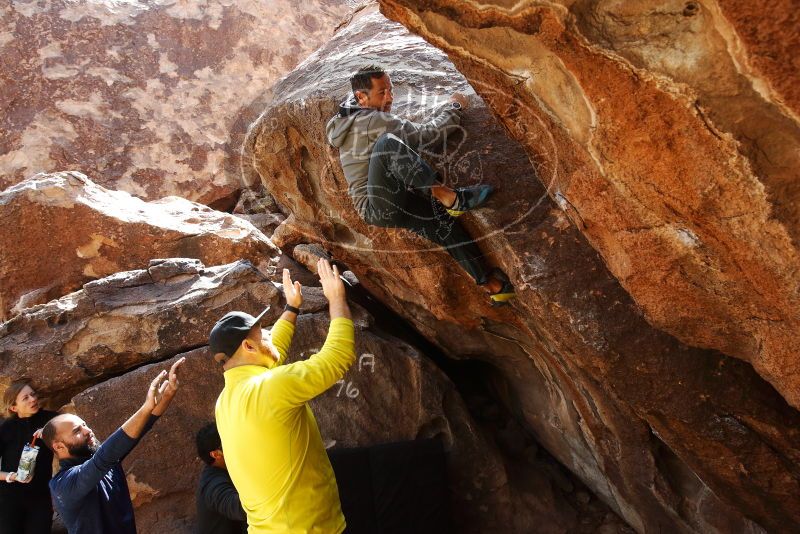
(388, 143)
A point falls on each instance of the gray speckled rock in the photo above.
(150, 96)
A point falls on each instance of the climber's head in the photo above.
(372, 88)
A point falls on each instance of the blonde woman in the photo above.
(25, 506)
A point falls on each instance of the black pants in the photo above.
(398, 186)
(25, 514)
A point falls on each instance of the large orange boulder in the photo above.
(668, 132)
(670, 436)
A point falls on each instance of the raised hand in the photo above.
(159, 395)
(332, 285)
(333, 288)
(170, 387)
(292, 291)
(155, 391)
(163, 388)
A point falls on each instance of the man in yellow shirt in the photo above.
(273, 448)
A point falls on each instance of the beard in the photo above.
(85, 450)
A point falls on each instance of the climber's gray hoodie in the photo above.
(354, 132)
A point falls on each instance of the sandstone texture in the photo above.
(126, 320)
(672, 437)
(62, 230)
(668, 132)
(393, 393)
(149, 97)
(260, 210)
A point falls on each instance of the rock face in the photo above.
(125, 320)
(392, 393)
(259, 210)
(148, 97)
(671, 437)
(669, 134)
(69, 231)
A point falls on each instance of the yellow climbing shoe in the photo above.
(468, 198)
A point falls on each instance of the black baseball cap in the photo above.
(231, 330)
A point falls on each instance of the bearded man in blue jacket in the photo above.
(90, 492)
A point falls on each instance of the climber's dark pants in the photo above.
(398, 189)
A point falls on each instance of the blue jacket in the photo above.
(91, 494)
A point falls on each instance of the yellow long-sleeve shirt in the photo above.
(272, 445)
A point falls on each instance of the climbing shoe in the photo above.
(468, 198)
(506, 292)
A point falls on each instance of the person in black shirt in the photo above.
(218, 508)
(25, 506)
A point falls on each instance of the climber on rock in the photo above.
(392, 186)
